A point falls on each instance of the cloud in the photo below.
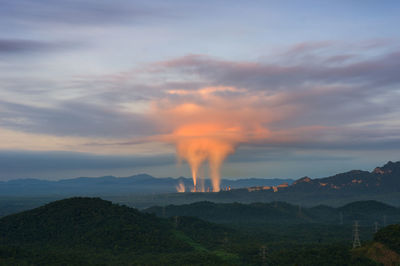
(287, 73)
(74, 119)
(312, 103)
(87, 12)
(333, 97)
(18, 46)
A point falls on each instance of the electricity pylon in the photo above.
(176, 221)
(225, 241)
(356, 236)
(263, 254)
(376, 227)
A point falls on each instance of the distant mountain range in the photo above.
(110, 185)
(381, 184)
(142, 191)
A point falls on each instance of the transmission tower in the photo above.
(263, 254)
(376, 226)
(356, 236)
(176, 221)
(225, 241)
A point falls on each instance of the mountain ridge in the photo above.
(111, 185)
(384, 178)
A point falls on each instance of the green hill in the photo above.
(385, 249)
(368, 206)
(390, 237)
(84, 231)
(92, 222)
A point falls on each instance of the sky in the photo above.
(96, 87)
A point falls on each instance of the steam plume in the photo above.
(206, 128)
(196, 150)
(180, 187)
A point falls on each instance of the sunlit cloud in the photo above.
(205, 126)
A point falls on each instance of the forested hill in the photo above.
(89, 221)
(86, 231)
(385, 249)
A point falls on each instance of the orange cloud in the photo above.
(206, 127)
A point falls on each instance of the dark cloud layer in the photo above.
(73, 12)
(54, 163)
(18, 46)
(74, 119)
(375, 72)
(34, 162)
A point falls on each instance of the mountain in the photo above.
(381, 179)
(385, 248)
(111, 186)
(92, 231)
(144, 191)
(385, 179)
(89, 221)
